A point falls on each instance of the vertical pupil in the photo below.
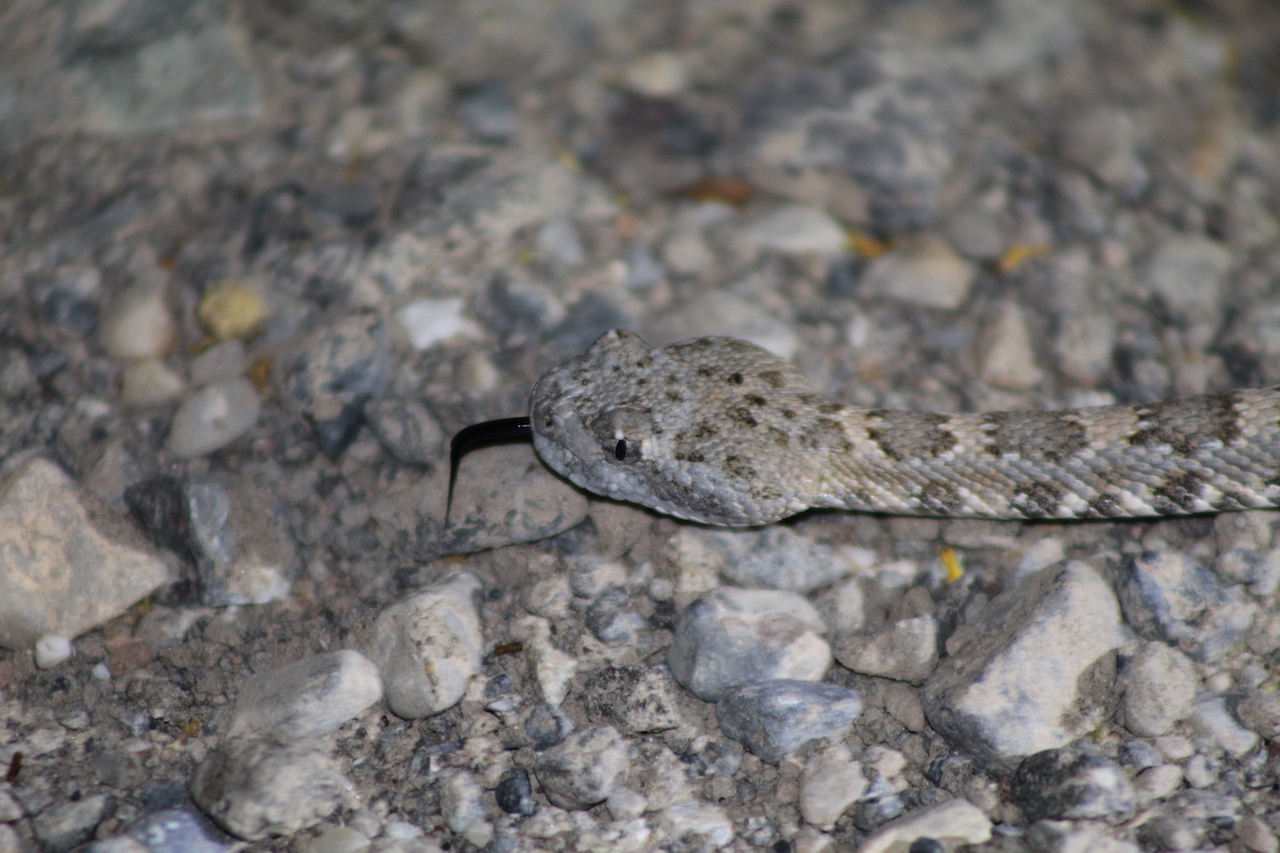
(620, 449)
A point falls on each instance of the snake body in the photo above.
(720, 431)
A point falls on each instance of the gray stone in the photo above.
(68, 562)
(773, 718)
(737, 636)
(503, 495)
(584, 769)
(407, 429)
(558, 240)
(1261, 570)
(224, 360)
(906, 650)
(1006, 358)
(139, 324)
(62, 827)
(1168, 596)
(633, 699)
(462, 807)
(213, 417)
(180, 830)
(953, 824)
(547, 725)
(924, 271)
(1161, 684)
(724, 313)
(1104, 142)
(694, 822)
(428, 646)
(490, 113)
(308, 697)
(1259, 711)
(515, 793)
(1036, 671)
(769, 558)
(1071, 783)
(256, 787)
(610, 621)
(329, 375)
(242, 543)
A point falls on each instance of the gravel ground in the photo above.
(261, 261)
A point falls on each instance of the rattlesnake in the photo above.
(720, 431)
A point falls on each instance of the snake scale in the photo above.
(720, 431)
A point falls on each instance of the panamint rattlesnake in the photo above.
(720, 431)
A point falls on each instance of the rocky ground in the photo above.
(261, 260)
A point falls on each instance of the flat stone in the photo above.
(797, 230)
(68, 562)
(721, 313)
(738, 636)
(180, 830)
(1006, 358)
(1259, 711)
(584, 769)
(64, 826)
(1104, 142)
(831, 782)
(213, 417)
(428, 646)
(407, 429)
(1212, 716)
(695, 820)
(773, 718)
(1049, 642)
(1188, 272)
(427, 322)
(308, 697)
(256, 786)
(139, 324)
(224, 360)
(769, 558)
(661, 74)
(952, 824)
(633, 699)
(150, 383)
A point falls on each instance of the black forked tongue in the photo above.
(482, 435)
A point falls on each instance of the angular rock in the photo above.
(904, 651)
(796, 229)
(739, 636)
(831, 782)
(1037, 669)
(773, 718)
(1168, 596)
(68, 562)
(772, 557)
(256, 786)
(242, 543)
(1161, 685)
(308, 697)
(62, 827)
(427, 647)
(1071, 784)
(584, 769)
(329, 375)
(407, 429)
(925, 272)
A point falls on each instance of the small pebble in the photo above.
(695, 821)
(1161, 684)
(924, 271)
(1188, 273)
(769, 558)
(832, 781)
(1254, 834)
(312, 696)
(773, 718)
(72, 312)
(547, 725)
(259, 786)
(798, 230)
(213, 417)
(427, 322)
(462, 807)
(956, 823)
(231, 310)
(1104, 141)
(1071, 784)
(515, 793)
(490, 113)
(554, 668)
(407, 429)
(52, 650)
(139, 325)
(427, 647)
(1211, 716)
(739, 636)
(340, 839)
(656, 75)
(225, 360)
(1156, 783)
(1259, 711)
(558, 240)
(584, 769)
(150, 383)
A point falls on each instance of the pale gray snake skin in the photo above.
(720, 431)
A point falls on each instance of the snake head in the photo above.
(636, 423)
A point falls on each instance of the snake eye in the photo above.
(620, 450)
